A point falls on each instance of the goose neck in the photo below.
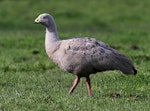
(51, 34)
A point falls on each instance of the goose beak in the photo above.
(37, 20)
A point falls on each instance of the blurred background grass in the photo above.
(103, 15)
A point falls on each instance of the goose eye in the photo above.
(44, 17)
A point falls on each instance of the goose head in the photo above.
(45, 19)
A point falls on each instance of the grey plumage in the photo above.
(82, 56)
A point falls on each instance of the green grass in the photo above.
(30, 81)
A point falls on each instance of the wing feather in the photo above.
(87, 55)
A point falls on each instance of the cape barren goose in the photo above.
(82, 56)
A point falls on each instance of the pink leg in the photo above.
(88, 86)
(76, 81)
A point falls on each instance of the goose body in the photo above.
(82, 56)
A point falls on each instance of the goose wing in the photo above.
(88, 55)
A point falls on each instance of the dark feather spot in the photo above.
(102, 50)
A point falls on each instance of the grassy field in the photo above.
(30, 81)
